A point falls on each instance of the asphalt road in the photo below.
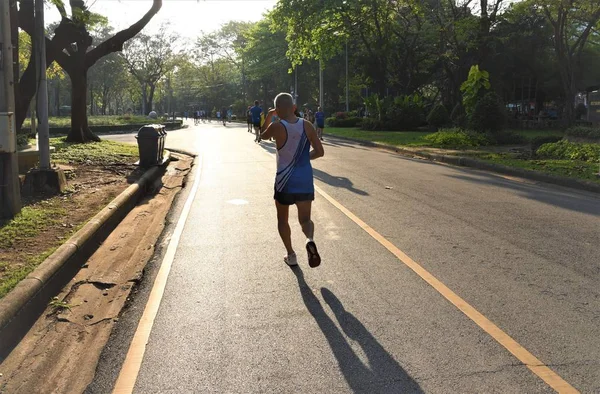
(235, 319)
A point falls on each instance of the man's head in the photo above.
(319, 109)
(256, 102)
(284, 104)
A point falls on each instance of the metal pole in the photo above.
(296, 85)
(347, 82)
(10, 193)
(320, 84)
(42, 94)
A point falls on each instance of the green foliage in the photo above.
(372, 124)
(438, 116)
(406, 112)
(344, 122)
(474, 87)
(455, 138)
(591, 133)
(565, 150)
(22, 140)
(487, 115)
(539, 141)
(402, 113)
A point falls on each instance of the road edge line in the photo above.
(133, 360)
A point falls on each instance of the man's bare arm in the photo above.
(270, 131)
(315, 142)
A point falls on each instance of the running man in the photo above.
(320, 120)
(255, 112)
(294, 179)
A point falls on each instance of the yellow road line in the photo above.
(133, 361)
(533, 363)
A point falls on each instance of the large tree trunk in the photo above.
(149, 103)
(80, 131)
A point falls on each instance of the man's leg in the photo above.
(308, 228)
(304, 210)
(285, 232)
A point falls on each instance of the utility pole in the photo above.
(10, 195)
(296, 86)
(347, 83)
(42, 93)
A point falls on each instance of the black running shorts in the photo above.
(292, 198)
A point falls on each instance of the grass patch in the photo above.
(98, 153)
(29, 223)
(568, 168)
(13, 276)
(405, 138)
(108, 120)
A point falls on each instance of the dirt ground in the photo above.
(60, 352)
(89, 189)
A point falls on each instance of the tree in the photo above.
(148, 59)
(64, 34)
(79, 58)
(573, 21)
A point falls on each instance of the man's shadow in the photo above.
(382, 374)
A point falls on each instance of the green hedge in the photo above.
(456, 138)
(565, 150)
(347, 122)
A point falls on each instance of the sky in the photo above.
(189, 18)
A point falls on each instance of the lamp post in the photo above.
(320, 84)
(347, 82)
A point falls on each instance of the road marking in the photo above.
(551, 378)
(133, 361)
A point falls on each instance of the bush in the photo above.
(405, 113)
(488, 115)
(343, 122)
(456, 138)
(438, 117)
(22, 140)
(565, 150)
(539, 141)
(341, 115)
(590, 133)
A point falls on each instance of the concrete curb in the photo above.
(22, 306)
(483, 165)
(182, 152)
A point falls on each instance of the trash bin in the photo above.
(149, 144)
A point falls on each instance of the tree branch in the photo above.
(115, 43)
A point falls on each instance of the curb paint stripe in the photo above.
(133, 361)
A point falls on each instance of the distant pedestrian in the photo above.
(249, 119)
(320, 121)
(256, 111)
(294, 178)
